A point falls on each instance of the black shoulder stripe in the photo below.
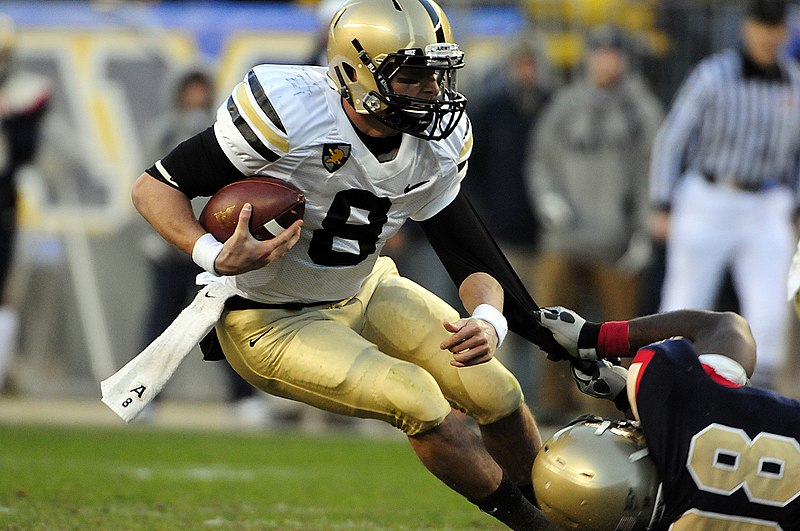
(248, 133)
(263, 101)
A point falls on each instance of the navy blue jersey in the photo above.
(728, 457)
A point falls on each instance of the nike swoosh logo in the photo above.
(410, 187)
(209, 296)
(254, 341)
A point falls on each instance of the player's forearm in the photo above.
(480, 288)
(168, 210)
(702, 327)
(725, 333)
(691, 324)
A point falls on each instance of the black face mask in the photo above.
(430, 119)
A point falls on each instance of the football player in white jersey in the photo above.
(376, 138)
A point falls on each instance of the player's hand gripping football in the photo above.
(242, 252)
(473, 341)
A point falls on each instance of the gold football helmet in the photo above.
(371, 41)
(596, 474)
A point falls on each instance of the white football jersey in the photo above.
(288, 122)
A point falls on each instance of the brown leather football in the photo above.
(276, 205)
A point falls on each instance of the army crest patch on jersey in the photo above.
(334, 156)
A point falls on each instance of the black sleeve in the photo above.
(464, 246)
(23, 132)
(197, 166)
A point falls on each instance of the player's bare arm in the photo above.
(170, 213)
(475, 338)
(168, 210)
(724, 333)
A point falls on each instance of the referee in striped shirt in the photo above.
(724, 174)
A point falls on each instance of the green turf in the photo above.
(148, 479)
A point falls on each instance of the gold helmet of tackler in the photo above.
(596, 474)
(371, 41)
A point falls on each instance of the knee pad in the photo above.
(489, 392)
(413, 398)
(417, 331)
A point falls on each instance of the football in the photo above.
(276, 205)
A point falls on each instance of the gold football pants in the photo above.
(375, 355)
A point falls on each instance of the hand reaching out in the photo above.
(569, 329)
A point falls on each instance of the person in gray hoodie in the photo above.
(588, 181)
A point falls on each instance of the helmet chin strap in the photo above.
(343, 92)
(371, 103)
(380, 79)
(367, 123)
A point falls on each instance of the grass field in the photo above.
(65, 478)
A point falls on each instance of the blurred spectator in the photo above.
(190, 108)
(724, 177)
(24, 98)
(588, 180)
(506, 112)
(514, 93)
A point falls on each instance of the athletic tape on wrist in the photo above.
(205, 252)
(613, 339)
(587, 341)
(494, 317)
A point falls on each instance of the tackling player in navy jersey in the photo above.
(727, 455)
(378, 137)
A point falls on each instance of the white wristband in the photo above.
(205, 252)
(494, 317)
